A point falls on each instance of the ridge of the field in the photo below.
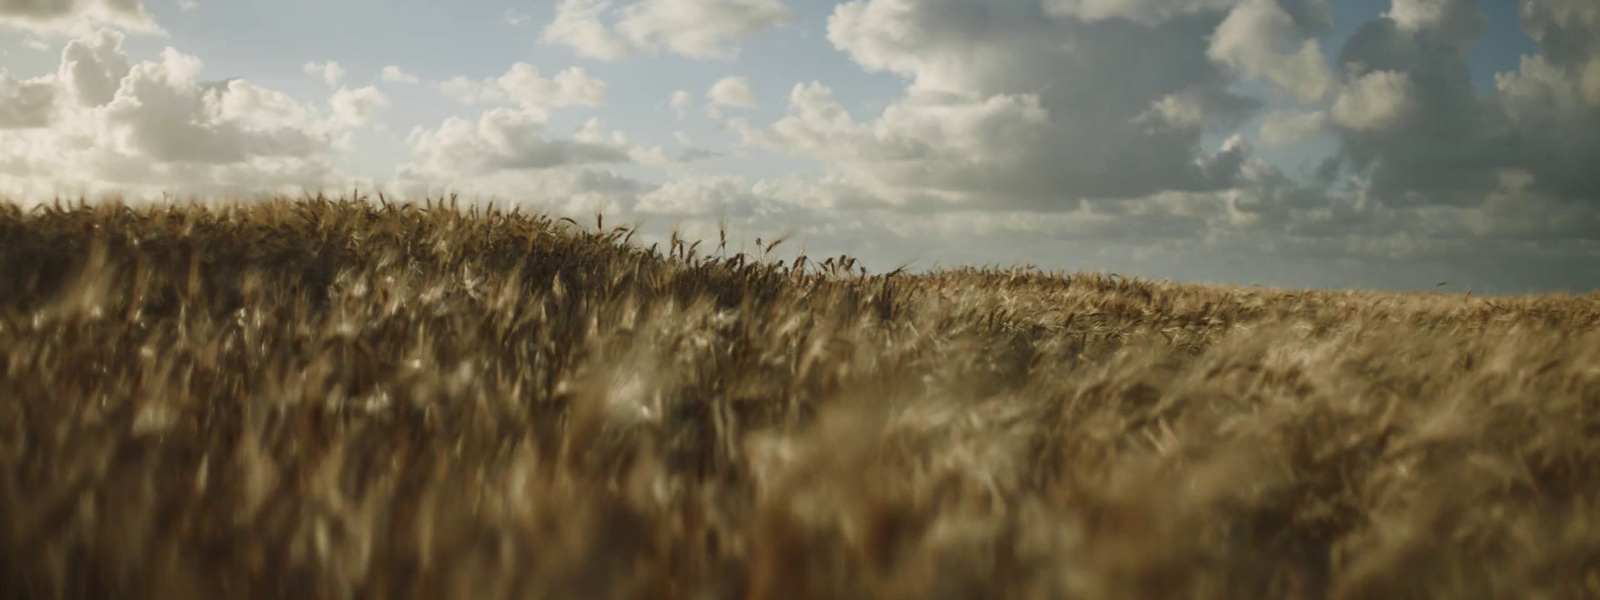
(342, 398)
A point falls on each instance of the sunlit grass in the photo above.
(352, 399)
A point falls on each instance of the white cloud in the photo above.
(1412, 15)
(1280, 129)
(1568, 77)
(732, 92)
(941, 145)
(996, 117)
(1259, 38)
(1199, 108)
(330, 72)
(570, 87)
(1455, 20)
(92, 67)
(75, 16)
(187, 5)
(699, 29)
(680, 101)
(524, 86)
(578, 25)
(1375, 101)
(1539, 84)
(707, 196)
(27, 103)
(999, 123)
(162, 111)
(515, 18)
(509, 154)
(998, 109)
(503, 139)
(821, 193)
(1140, 11)
(357, 107)
(157, 126)
(1174, 110)
(394, 74)
(996, 139)
(262, 109)
(1411, 121)
(1439, 161)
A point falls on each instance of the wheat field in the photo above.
(359, 399)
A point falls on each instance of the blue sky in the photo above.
(1306, 143)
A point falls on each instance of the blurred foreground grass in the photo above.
(328, 399)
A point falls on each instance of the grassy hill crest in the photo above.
(341, 398)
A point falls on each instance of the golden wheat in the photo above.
(335, 399)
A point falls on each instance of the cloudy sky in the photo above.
(1389, 144)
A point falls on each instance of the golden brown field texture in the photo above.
(342, 399)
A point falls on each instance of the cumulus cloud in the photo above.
(996, 126)
(1198, 108)
(61, 16)
(719, 195)
(698, 29)
(358, 107)
(1259, 38)
(579, 25)
(524, 86)
(1566, 75)
(996, 110)
(994, 117)
(1539, 84)
(162, 111)
(509, 153)
(1453, 146)
(1139, 11)
(92, 67)
(1456, 21)
(1375, 101)
(732, 92)
(330, 72)
(394, 74)
(156, 126)
(939, 145)
(261, 108)
(27, 103)
(504, 139)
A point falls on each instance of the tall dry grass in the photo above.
(330, 399)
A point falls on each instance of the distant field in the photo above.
(325, 399)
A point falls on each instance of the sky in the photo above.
(1373, 144)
